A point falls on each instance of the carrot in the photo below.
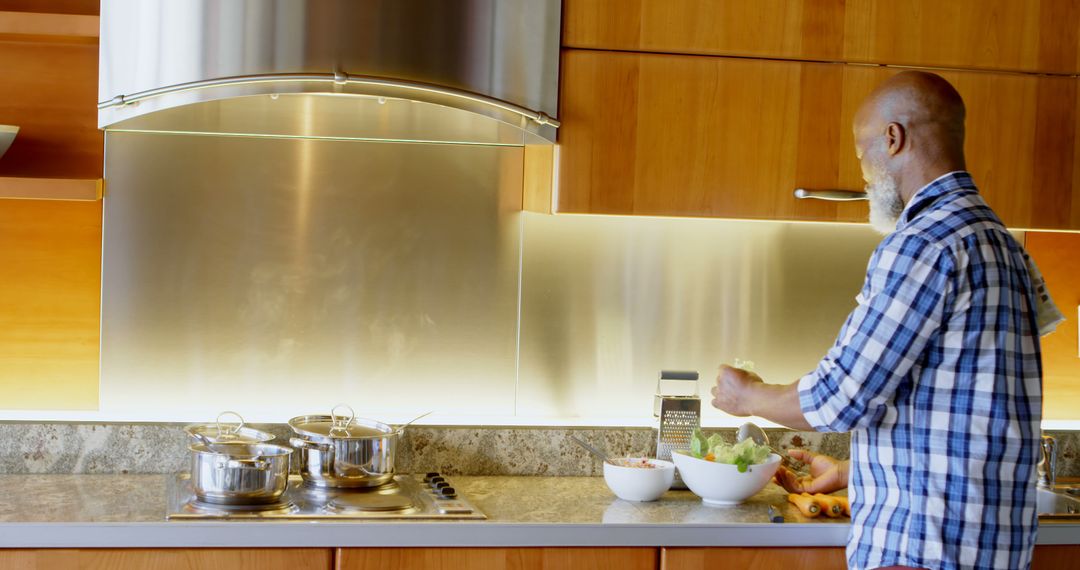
(830, 505)
(806, 504)
(845, 505)
(710, 457)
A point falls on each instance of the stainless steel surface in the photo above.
(1055, 503)
(326, 117)
(1047, 466)
(239, 474)
(674, 383)
(607, 301)
(502, 51)
(344, 452)
(750, 430)
(832, 195)
(339, 78)
(225, 432)
(320, 270)
(679, 417)
(593, 450)
(405, 498)
(7, 136)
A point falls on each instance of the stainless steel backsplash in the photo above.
(607, 302)
(281, 277)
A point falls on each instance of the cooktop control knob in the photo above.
(436, 480)
(430, 476)
(447, 493)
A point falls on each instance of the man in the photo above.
(936, 373)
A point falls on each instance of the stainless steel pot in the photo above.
(220, 431)
(344, 451)
(240, 474)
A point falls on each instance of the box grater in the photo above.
(679, 408)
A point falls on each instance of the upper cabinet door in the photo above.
(654, 134)
(794, 29)
(1027, 35)
(700, 136)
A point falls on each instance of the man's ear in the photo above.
(896, 136)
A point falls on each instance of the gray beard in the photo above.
(885, 205)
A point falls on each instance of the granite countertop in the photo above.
(129, 511)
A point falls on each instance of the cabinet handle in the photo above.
(831, 195)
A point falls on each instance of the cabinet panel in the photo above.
(654, 134)
(1055, 254)
(50, 307)
(497, 558)
(802, 558)
(699, 136)
(167, 559)
(1034, 35)
(50, 93)
(798, 29)
(1019, 144)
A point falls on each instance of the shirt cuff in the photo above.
(809, 403)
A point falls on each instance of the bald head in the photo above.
(912, 128)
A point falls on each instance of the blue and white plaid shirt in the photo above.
(937, 375)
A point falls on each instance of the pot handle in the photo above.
(339, 423)
(298, 443)
(227, 428)
(245, 464)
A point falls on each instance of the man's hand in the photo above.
(827, 474)
(734, 391)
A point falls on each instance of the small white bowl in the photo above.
(721, 484)
(637, 483)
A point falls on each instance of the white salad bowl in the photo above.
(721, 484)
(639, 483)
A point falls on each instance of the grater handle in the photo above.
(679, 375)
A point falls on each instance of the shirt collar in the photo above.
(927, 195)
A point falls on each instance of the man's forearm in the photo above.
(779, 404)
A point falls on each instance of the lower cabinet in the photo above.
(496, 559)
(1047, 557)
(750, 558)
(167, 559)
(756, 558)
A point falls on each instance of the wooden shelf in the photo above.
(51, 189)
(35, 27)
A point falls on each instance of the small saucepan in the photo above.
(239, 473)
(343, 451)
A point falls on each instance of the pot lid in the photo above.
(243, 450)
(220, 431)
(339, 426)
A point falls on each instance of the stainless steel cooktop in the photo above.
(407, 497)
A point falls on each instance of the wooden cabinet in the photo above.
(496, 558)
(796, 29)
(50, 93)
(1032, 35)
(657, 134)
(168, 559)
(1047, 557)
(801, 558)
(699, 136)
(51, 250)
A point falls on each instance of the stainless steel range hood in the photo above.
(464, 71)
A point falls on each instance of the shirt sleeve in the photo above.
(900, 309)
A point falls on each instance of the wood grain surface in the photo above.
(654, 134)
(50, 304)
(497, 558)
(1033, 35)
(168, 559)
